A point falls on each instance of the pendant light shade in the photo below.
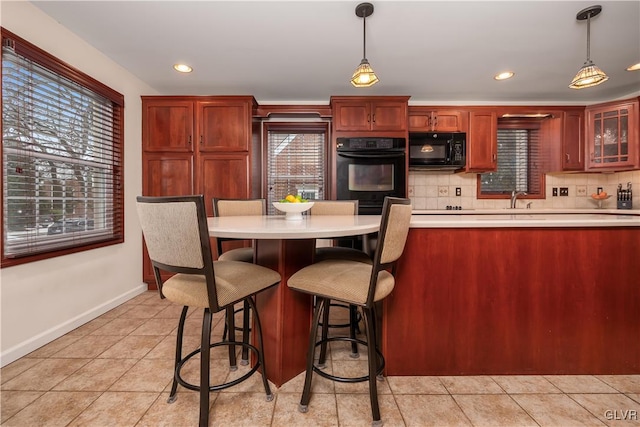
(589, 75)
(364, 76)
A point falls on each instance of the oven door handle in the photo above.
(378, 155)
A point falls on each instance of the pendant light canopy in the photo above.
(364, 75)
(589, 75)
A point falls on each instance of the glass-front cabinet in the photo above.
(612, 136)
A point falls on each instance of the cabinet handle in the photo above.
(374, 118)
(495, 157)
(200, 139)
(435, 123)
(567, 156)
(189, 141)
(369, 118)
(429, 122)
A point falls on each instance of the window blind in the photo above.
(62, 156)
(295, 164)
(519, 159)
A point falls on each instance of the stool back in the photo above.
(236, 207)
(394, 229)
(177, 238)
(334, 207)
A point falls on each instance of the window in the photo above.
(296, 161)
(62, 156)
(519, 162)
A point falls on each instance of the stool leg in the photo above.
(326, 307)
(245, 333)
(249, 303)
(370, 320)
(353, 326)
(231, 331)
(174, 386)
(205, 351)
(321, 304)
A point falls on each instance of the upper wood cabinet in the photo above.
(385, 113)
(426, 119)
(572, 155)
(167, 125)
(612, 136)
(562, 139)
(482, 141)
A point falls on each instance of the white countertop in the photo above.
(277, 227)
(525, 218)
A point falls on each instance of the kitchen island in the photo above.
(516, 292)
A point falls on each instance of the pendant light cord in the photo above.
(364, 37)
(589, 37)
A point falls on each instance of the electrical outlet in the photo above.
(443, 191)
(581, 190)
(599, 190)
(555, 192)
(458, 191)
(564, 191)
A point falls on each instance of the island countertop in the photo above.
(506, 218)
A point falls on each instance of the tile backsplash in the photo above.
(432, 190)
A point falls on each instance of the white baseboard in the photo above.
(26, 347)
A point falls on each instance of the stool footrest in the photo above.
(318, 369)
(216, 387)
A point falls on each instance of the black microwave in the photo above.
(437, 150)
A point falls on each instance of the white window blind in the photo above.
(295, 164)
(62, 160)
(519, 159)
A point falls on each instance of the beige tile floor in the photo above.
(116, 371)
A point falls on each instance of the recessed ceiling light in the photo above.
(504, 75)
(183, 68)
(634, 67)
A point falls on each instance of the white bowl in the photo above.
(293, 211)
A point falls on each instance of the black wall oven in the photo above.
(368, 169)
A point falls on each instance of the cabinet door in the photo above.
(167, 125)
(447, 121)
(224, 125)
(389, 116)
(352, 116)
(223, 175)
(420, 121)
(612, 137)
(572, 141)
(482, 142)
(165, 174)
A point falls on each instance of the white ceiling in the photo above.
(438, 52)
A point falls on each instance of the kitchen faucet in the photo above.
(514, 197)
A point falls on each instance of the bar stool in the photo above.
(175, 231)
(359, 284)
(238, 207)
(340, 207)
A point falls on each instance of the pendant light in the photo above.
(589, 75)
(364, 75)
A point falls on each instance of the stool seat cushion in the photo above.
(342, 280)
(234, 281)
(338, 252)
(239, 254)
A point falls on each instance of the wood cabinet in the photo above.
(482, 141)
(366, 114)
(573, 141)
(562, 138)
(612, 136)
(198, 145)
(426, 119)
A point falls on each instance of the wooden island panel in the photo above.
(515, 301)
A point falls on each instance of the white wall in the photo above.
(43, 300)
(429, 190)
